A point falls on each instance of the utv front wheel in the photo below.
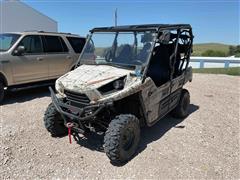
(122, 138)
(53, 122)
(181, 110)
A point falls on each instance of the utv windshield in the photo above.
(7, 40)
(118, 48)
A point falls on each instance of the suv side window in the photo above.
(54, 44)
(76, 43)
(32, 44)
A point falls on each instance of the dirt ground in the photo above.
(203, 145)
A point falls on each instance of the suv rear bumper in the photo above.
(77, 113)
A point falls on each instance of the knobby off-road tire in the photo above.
(1, 91)
(54, 122)
(181, 110)
(122, 138)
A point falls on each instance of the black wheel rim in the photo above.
(128, 139)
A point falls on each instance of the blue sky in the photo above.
(212, 20)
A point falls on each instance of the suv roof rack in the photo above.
(41, 31)
(52, 32)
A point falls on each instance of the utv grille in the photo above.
(77, 97)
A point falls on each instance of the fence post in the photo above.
(201, 63)
(226, 64)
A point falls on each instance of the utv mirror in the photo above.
(19, 51)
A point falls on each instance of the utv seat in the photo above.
(124, 54)
(159, 69)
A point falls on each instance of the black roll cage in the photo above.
(174, 55)
(157, 28)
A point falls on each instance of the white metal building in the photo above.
(16, 16)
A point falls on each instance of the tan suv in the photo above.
(37, 56)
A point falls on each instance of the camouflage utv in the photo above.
(126, 77)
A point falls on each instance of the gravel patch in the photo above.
(203, 145)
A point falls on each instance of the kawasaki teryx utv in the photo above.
(126, 77)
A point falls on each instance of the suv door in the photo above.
(57, 55)
(31, 65)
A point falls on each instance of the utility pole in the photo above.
(115, 17)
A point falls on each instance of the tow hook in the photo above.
(69, 125)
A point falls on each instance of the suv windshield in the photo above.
(118, 48)
(7, 40)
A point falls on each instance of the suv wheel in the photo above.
(122, 138)
(181, 110)
(1, 91)
(54, 122)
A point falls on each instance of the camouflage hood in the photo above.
(89, 77)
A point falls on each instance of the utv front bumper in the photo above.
(69, 111)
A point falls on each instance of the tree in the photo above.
(234, 50)
(231, 50)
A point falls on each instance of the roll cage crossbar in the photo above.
(144, 27)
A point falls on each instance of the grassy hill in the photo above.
(198, 49)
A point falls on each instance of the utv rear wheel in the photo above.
(181, 110)
(122, 138)
(1, 91)
(54, 122)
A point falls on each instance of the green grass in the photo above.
(234, 71)
(198, 49)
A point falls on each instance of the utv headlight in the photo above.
(59, 87)
(118, 84)
(112, 86)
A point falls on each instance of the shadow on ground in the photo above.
(91, 141)
(148, 134)
(25, 95)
